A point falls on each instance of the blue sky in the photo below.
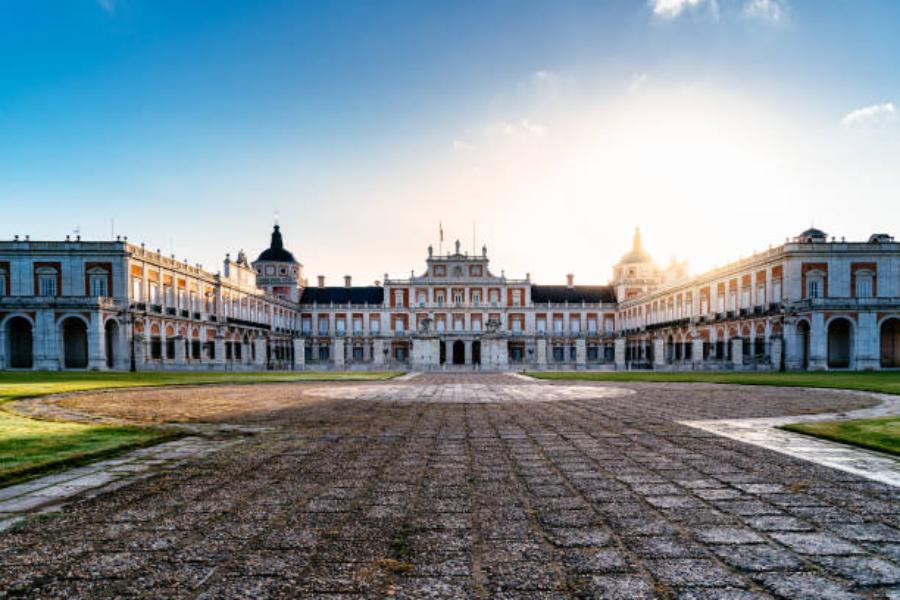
(555, 126)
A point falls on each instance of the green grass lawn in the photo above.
(877, 434)
(29, 447)
(887, 382)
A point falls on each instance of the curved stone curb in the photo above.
(851, 459)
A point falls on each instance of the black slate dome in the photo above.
(276, 252)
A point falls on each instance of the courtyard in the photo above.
(464, 486)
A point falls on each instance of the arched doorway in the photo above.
(112, 342)
(75, 344)
(476, 353)
(890, 344)
(459, 353)
(840, 344)
(21, 343)
(803, 332)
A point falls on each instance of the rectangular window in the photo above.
(375, 325)
(421, 299)
(458, 324)
(608, 325)
(592, 326)
(574, 326)
(398, 325)
(137, 289)
(495, 297)
(558, 325)
(541, 326)
(357, 326)
(2, 284)
(47, 285)
(398, 298)
(863, 287)
(517, 297)
(776, 290)
(517, 326)
(457, 298)
(812, 288)
(439, 325)
(323, 326)
(340, 326)
(476, 324)
(439, 298)
(476, 298)
(98, 285)
(761, 295)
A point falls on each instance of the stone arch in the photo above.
(75, 342)
(459, 352)
(840, 343)
(890, 342)
(20, 341)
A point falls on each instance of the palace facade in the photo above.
(812, 303)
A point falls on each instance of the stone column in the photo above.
(96, 344)
(467, 358)
(180, 356)
(337, 352)
(818, 342)
(792, 346)
(219, 351)
(3, 346)
(378, 352)
(659, 353)
(580, 353)
(299, 354)
(697, 352)
(775, 350)
(501, 353)
(541, 353)
(866, 346)
(259, 361)
(620, 353)
(140, 351)
(737, 351)
(245, 352)
(425, 353)
(47, 345)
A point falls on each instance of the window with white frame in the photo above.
(357, 325)
(815, 284)
(97, 279)
(420, 298)
(776, 290)
(517, 325)
(761, 294)
(494, 297)
(517, 297)
(340, 326)
(704, 306)
(457, 297)
(864, 284)
(323, 326)
(398, 298)
(476, 324)
(732, 300)
(458, 324)
(608, 325)
(439, 325)
(745, 297)
(375, 325)
(137, 289)
(592, 325)
(47, 282)
(575, 325)
(169, 294)
(439, 298)
(476, 298)
(541, 325)
(399, 325)
(558, 325)
(720, 301)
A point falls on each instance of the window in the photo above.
(170, 295)
(863, 285)
(323, 326)
(608, 325)
(704, 306)
(812, 288)
(495, 297)
(421, 298)
(476, 298)
(457, 298)
(398, 325)
(541, 325)
(439, 298)
(592, 326)
(398, 298)
(357, 326)
(517, 297)
(575, 326)
(517, 326)
(732, 299)
(98, 281)
(137, 289)
(3, 279)
(558, 325)
(439, 325)
(476, 324)
(745, 297)
(375, 325)
(761, 294)
(47, 282)
(458, 324)
(340, 326)
(776, 290)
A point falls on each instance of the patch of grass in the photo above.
(882, 434)
(400, 548)
(25, 384)
(29, 447)
(887, 382)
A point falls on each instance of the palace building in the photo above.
(812, 303)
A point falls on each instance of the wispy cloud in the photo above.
(524, 127)
(107, 5)
(669, 9)
(770, 11)
(636, 82)
(877, 114)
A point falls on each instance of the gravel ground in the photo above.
(430, 489)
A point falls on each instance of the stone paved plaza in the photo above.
(470, 486)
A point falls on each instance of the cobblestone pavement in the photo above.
(604, 496)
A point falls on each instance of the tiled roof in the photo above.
(575, 294)
(343, 295)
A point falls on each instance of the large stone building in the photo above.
(811, 303)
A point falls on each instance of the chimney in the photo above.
(347, 281)
(321, 281)
(570, 280)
